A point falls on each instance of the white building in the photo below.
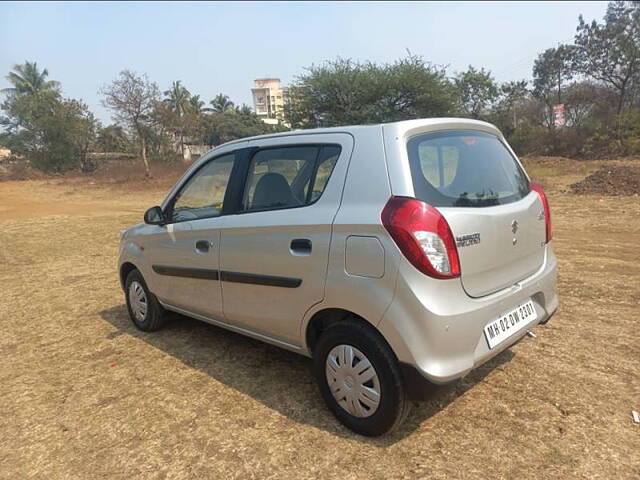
(269, 99)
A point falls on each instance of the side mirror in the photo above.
(154, 216)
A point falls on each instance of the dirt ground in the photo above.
(85, 395)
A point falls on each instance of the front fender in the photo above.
(130, 253)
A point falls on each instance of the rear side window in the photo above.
(288, 177)
(328, 158)
(464, 168)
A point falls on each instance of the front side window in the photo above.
(464, 168)
(203, 194)
(287, 177)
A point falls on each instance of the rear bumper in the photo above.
(436, 328)
(419, 387)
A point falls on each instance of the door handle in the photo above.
(301, 246)
(202, 246)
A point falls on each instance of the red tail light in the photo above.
(423, 236)
(547, 211)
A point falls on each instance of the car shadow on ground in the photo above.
(279, 379)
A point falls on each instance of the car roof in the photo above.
(403, 125)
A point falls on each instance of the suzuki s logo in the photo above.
(514, 226)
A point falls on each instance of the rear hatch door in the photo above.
(498, 246)
(484, 194)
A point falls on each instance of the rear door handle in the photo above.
(202, 246)
(301, 246)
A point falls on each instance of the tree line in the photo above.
(596, 79)
(56, 134)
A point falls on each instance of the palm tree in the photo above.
(26, 78)
(197, 106)
(178, 97)
(221, 103)
(244, 109)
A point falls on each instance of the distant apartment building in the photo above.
(269, 99)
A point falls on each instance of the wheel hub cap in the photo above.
(138, 301)
(353, 381)
(349, 382)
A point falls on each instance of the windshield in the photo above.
(464, 168)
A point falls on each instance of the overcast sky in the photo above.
(222, 47)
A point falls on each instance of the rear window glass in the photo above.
(464, 169)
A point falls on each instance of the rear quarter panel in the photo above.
(366, 191)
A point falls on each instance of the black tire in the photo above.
(394, 405)
(155, 316)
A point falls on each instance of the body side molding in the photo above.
(171, 271)
(235, 277)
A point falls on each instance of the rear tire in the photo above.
(359, 378)
(145, 311)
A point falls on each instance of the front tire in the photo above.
(359, 378)
(145, 311)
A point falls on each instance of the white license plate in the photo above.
(509, 323)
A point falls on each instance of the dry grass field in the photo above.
(85, 395)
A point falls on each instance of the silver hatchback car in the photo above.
(394, 255)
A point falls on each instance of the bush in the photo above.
(563, 142)
(619, 137)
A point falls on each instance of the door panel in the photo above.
(185, 254)
(186, 276)
(273, 263)
(165, 246)
(284, 285)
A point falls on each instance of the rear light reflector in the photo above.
(423, 236)
(547, 211)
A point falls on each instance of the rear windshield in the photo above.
(464, 168)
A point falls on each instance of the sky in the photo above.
(221, 47)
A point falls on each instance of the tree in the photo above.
(512, 94)
(197, 105)
(112, 138)
(244, 109)
(27, 79)
(81, 126)
(344, 92)
(221, 103)
(178, 98)
(552, 72)
(609, 52)
(412, 88)
(165, 131)
(132, 99)
(223, 127)
(580, 101)
(476, 90)
(54, 134)
(335, 93)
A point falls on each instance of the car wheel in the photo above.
(145, 311)
(359, 378)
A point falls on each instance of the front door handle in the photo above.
(301, 246)
(202, 246)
